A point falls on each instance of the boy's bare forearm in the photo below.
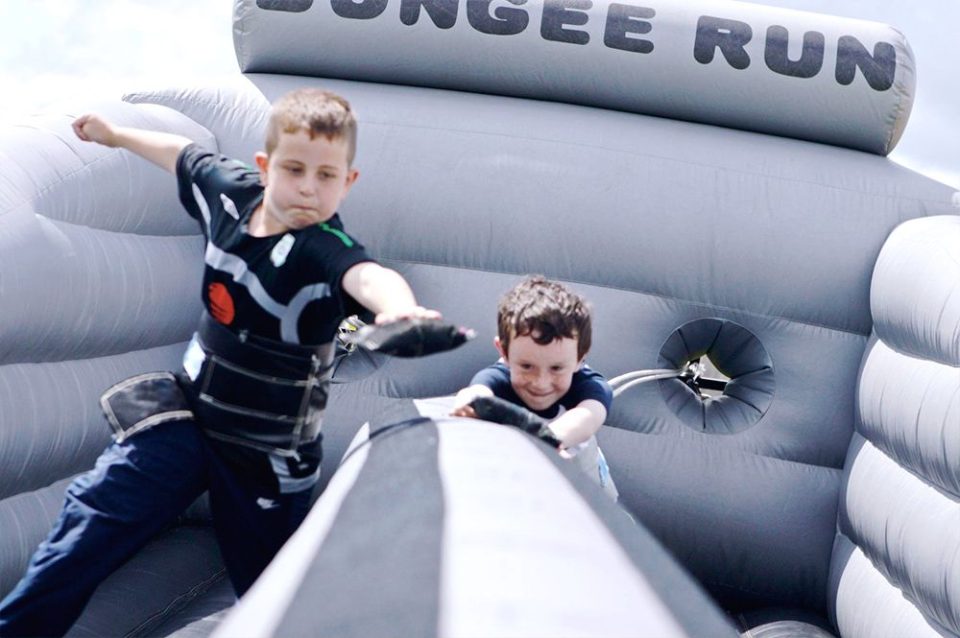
(384, 292)
(580, 423)
(158, 147)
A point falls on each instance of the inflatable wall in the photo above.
(710, 175)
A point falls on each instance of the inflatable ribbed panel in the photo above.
(99, 280)
(235, 112)
(727, 63)
(910, 409)
(915, 294)
(868, 606)
(907, 528)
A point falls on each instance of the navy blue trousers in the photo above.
(138, 488)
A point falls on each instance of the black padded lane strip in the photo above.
(372, 572)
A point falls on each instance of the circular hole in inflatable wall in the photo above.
(734, 393)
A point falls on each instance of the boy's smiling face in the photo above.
(540, 374)
(304, 180)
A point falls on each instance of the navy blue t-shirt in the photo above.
(586, 384)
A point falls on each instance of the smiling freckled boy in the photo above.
(544, 334)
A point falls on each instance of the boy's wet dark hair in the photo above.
(546, 311)
(315, 111)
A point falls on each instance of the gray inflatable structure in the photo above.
(710, 174)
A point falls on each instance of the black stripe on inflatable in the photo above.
(370, 575)
(693, 609)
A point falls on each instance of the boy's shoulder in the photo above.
(495, 376)
(324, 249)
(333, 231)
(588, 374)
(325, 239)
(587, 383)
(199, 163)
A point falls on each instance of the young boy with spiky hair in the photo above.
(544, 334)
(242, 419)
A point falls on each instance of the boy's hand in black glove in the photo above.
(500, 411)
(411, 337)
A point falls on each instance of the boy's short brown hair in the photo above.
(315, 111)
(544, 310)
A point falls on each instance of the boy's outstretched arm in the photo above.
(384, 292)
(578, 424)
(160, 148)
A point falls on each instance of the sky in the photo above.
(58, 53)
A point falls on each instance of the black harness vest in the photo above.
(248, 390)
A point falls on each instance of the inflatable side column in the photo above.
(896, 561)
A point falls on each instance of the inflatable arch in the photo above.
(711, 175)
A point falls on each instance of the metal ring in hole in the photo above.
(737, 353)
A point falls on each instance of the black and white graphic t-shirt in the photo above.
(284, 287)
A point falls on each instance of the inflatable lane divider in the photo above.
(456, 528)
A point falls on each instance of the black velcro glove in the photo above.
(411, 337)
(501, 411)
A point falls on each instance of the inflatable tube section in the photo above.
(464, 528)
(838, 81)
(906, 532)
(915, 292)
(48, 171)
(867, 605)
(82, 292)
